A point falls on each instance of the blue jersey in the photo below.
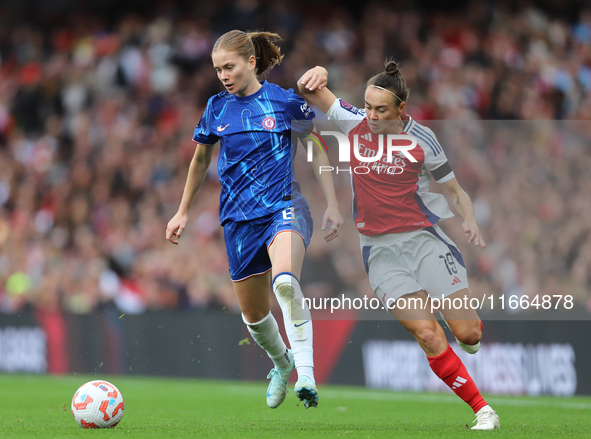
(256, 153)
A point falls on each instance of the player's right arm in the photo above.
(312, 85)
(195, 177)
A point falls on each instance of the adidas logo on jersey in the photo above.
(367, 136)
(456, 280)
(458, 382)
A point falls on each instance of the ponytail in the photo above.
(261, 45)
(268, 55)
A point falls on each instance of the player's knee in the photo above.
(470, 335)
(285, 292)
(286, 287)
(428, 338)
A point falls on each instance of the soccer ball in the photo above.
(97, 404)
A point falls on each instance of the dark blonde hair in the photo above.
(391, 79)
(258, 44)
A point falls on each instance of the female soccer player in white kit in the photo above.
(405, 252)
(267, 222)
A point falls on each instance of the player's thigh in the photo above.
(459, 307)
(287, 238)
(411, 307)
(461, 317)
(253, 296)
(287, 252)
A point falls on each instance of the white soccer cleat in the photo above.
(486, 419)
(306, 391)
(470, 348)
(278, 386)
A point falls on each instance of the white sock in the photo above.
(298, 321)
(266, 334)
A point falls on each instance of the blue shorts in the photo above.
(247, 242)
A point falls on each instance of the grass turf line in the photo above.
(38, 406)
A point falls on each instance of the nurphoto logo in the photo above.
(397, 147)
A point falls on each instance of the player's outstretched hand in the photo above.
(333, 215)
(472, 231)
(315, 78)
(175, 227)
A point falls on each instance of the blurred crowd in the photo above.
(97, 115)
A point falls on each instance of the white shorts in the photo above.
(407, 262)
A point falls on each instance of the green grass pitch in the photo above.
(34, 406)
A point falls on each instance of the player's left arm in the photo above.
(302, 115)
(332, 213)
(463, 205)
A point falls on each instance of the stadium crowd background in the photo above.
(97, 113)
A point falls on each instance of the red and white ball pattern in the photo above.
(97, 404)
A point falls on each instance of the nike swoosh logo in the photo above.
(220, 128)
(297, 326)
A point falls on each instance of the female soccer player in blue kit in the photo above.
(267, 222)
(406, 254)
